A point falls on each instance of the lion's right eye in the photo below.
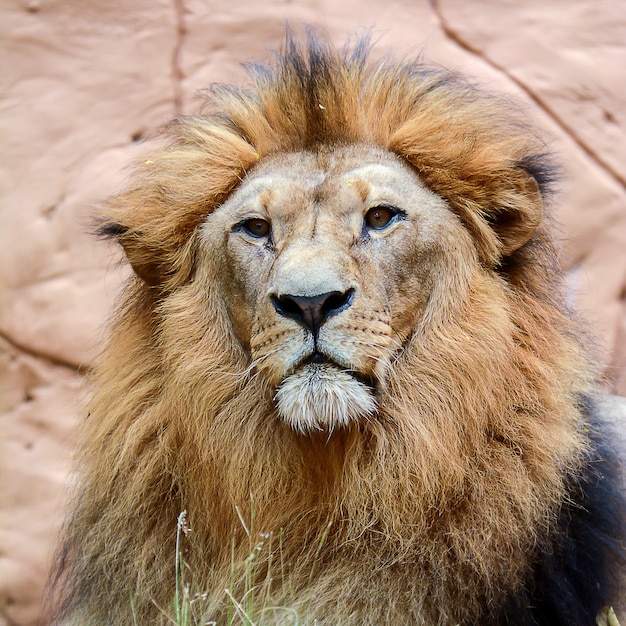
(256, 227)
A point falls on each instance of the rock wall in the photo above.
(84, 84)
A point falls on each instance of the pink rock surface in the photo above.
(82, 84)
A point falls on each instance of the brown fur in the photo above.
(427, 513)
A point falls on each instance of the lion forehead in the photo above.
(353, 177)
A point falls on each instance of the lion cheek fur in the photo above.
(321, 397)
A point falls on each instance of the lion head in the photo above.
(345, 325)
(316, 250)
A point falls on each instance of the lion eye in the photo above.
(380, 216)
(256, 227)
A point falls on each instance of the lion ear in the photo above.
(157, 264)
(518, 215)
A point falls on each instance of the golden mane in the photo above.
(433, 510)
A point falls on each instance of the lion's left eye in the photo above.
(380, 216)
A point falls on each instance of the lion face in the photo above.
(320, 257)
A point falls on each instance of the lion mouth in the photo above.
(319, 359)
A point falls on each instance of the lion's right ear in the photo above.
(164, 263)
(141, 260)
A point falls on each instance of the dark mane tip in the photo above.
(543, 169)
(110, 230)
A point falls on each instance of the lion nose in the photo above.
(313, 311)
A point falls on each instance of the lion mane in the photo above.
(477, 488)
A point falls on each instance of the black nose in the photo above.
(313, 311)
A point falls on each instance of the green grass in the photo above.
(250, 605)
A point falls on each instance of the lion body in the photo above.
(422, 450)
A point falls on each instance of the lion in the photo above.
(344, 357)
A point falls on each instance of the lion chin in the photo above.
(319, 396)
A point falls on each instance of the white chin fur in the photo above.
(322, 397)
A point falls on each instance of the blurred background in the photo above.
(86, 83)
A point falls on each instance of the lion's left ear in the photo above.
(518, 213)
